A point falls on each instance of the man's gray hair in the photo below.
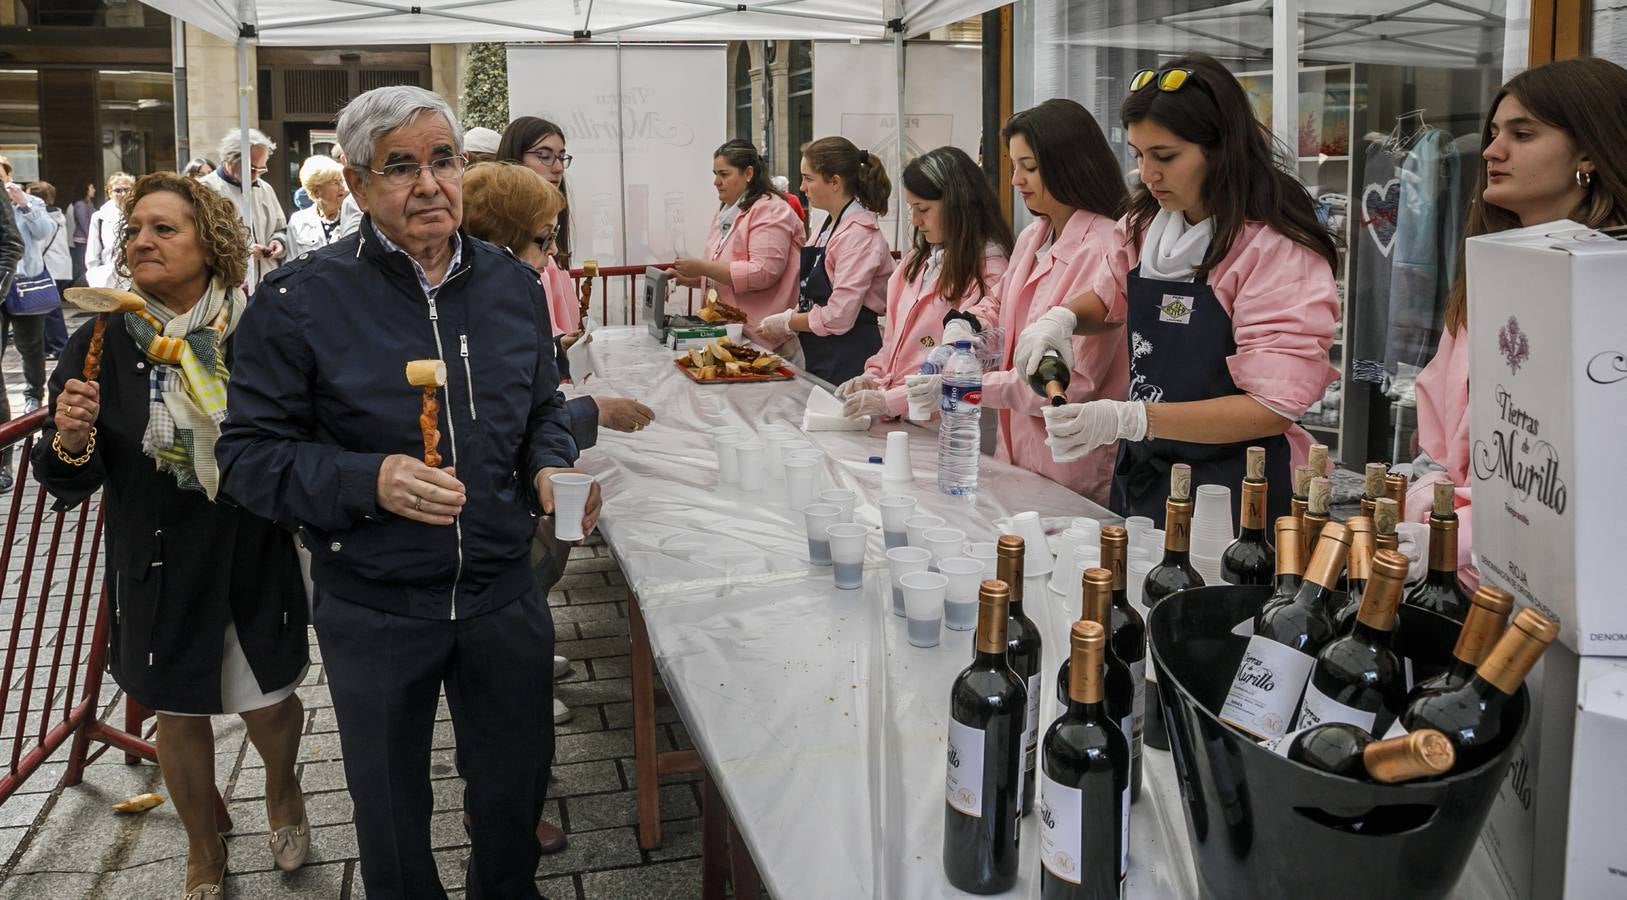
(380, 111)
(231, 146)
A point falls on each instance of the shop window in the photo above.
(743, 117)
(801, 97)
(136, 120)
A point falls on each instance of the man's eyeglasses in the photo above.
(1169, 80)
(548, 158)
(445, 168)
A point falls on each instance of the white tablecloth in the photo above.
(822, 726)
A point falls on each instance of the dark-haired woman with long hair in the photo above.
(843, 276)
(539, 145)
(755, 240)
(1222, 276)
(960, 250)
(1069, 180)
(1551, 139)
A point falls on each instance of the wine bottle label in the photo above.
(964, 784)
(1319, 708)
(1267, 687)
(1138, 705)
(1031, 727)
(1061, 809)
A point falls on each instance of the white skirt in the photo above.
(239, 690)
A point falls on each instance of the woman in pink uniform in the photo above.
(843, 276)
(960, 250)
(539, 145)
(1223, 279)
(755, 241)
(1061, 164)
(1548, 145)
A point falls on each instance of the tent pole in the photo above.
(245, 163)
(1285, 77)
(898, 159)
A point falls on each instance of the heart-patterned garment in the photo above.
(1380, 204)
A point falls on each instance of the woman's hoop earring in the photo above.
(1584, 180)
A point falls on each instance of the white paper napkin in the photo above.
(825, 414)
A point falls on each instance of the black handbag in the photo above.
(32, 295)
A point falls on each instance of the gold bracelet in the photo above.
(56, 444)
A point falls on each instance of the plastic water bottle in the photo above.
(960, 438)
(937, 359)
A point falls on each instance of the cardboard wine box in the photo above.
(1596, 852)
(1548, 424)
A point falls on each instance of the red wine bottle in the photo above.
(1290, 565)
(1050, 380)
(1358, 568)
(1250, 559)
(1488, 616)
(1174, 573)
(1358, 679)
(1347, 750)
(1128, 640)
(1439, 591)
(1023, 649)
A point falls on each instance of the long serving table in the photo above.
(817, 722)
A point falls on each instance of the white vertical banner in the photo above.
(641, 122)
(856, 96)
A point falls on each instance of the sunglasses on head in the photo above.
(1169, 80)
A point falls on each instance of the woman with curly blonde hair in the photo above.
(206, 603)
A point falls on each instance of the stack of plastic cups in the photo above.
(1137, 527)
(1211, 530)
(895, 511)
(1037, 558)
(1069, 545)
(897, 477)
(1135, 582)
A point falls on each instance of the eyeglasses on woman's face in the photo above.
(549, 158)
(544, 240)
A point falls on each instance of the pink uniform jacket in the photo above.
(1284, 305)
(762, 250)
(1035, 282)
(914, 327)
(859, 263)
(564, 304)
(1443, 433)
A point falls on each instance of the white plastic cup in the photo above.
(728, 457)
(1135, 583)
(753, 458)
(1036, 548)
(570, 503)
(796, 444)
(965, 574)
(895, 511)
(842, 497)
(1136, 528)
(1212, 520)
(1208, 567)
(1087, 523)
(987, 553)
(903, 561)
(1155, 545)
(775, 442)
(896, 464)
(799, 481)
(735, 331)
(944, 543)
(817, 517)
(847, 554)
(924, 607)
(917, 525)
(923, 412)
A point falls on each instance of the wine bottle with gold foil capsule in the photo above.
(1372, 486)
(1358, 679)
(1128, 640)
(1316, 511)
(1098, 607)
(1386, 513)
(1488, 616)
(1346, 750)
(1266, 690)
(1358, 568)
(1050, 380)
(1084, 815)
(1302, 492)
(1439, 591)
(1290, 564)
(983, 787)
(1174, 573)
(1395, 487)
(1250, 559)
(1023, 648)
(1471, 716)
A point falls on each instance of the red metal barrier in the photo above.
(51, 617)
(629, 296)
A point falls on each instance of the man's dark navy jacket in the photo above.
(319, 397)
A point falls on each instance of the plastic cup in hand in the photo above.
(923, 607)
(917, 525)
(1036, 549)
(987, 553)
(847, 553)
(570, 503)
(960, 599)
(903, 561)
(753, 459)
(896, 471)
(818, 517)
(799, 481)
(944, 543)
(1136, 527)
(894, 512)
(1212, 521)
(735, 331)
(728, 457)
(842, 497)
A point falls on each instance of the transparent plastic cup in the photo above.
(842, 497)
(817, 517)
(960, 599)
(903, 561)
(924, 607)
(987, 553)
(847, 542)
(917, 525)
(944, 543)
(895, 511)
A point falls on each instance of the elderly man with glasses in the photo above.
(261, 211)
(422, 574)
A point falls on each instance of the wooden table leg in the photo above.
(645, 762)
(714, 841)
(748, 885)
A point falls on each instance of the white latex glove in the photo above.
(1413, 541)
(1051, 331)
(958, 330)
(865, 382)
(865, 403)
(923, 390)
(775, 329)
(1077, 428)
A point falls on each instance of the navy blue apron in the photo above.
(836, 357)
(1180, 337)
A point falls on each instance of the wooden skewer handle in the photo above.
(93, 355)
(427, 422)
